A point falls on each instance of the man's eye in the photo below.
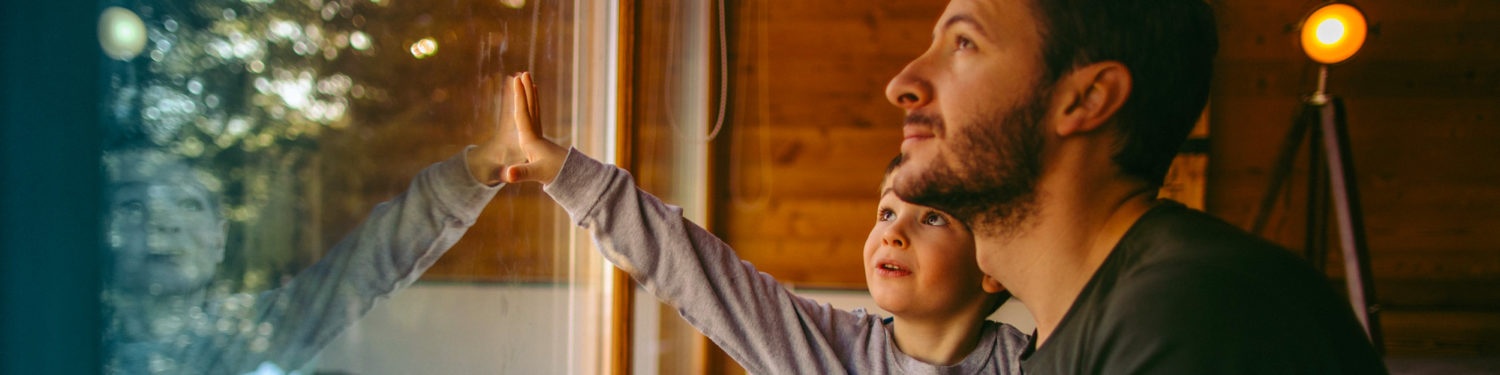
(934, 219)
(885, 214)
(962, 43)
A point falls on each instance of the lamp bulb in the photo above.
(1330, 31)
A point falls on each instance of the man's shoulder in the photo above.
(1183, 270)
(1174, 239)
(1193, 285)
(1175, 254)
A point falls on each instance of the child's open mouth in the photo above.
(891, 270)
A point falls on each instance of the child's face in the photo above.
(165, 237)
(161, 227)
(919, 262)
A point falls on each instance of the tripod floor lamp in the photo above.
(1330, 34)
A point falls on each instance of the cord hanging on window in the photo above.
(723, 83)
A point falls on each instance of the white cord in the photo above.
(723, 84)
(723, 75)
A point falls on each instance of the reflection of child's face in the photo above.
(164, 237)
(919, 262)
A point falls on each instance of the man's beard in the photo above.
(992, 188)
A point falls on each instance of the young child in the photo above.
(919, 265)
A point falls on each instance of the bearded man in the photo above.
(1048, 126)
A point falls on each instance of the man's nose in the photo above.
(909, 89)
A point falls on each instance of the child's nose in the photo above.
(894, 237)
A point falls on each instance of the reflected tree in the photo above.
(242, 89)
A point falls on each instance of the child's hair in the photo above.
(896, 162)
(1004, 295)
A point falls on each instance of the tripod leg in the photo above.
(1283, 167)
(1315, 242)
(1351, 220)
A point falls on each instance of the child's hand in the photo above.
(516, 139)
(487, 161)
(543, 158)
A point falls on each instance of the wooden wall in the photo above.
(810, 132)
(1423, 100)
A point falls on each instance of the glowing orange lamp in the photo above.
(1333, 33)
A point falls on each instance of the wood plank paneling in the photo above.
(1441, 332)
(811, 131)
(812, 261)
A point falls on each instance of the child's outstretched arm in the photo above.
(758, 322)
(396, 243)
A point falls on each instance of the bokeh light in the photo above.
(424, 48)
(359, 40)
(122, 34)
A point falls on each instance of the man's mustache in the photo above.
(930, 120)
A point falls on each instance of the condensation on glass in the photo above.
(247, 140)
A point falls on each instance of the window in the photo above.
(248, 144)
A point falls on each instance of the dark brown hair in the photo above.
(1168, 46)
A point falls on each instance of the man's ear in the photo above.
(1089, 97)
(991, 286)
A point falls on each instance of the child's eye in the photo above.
(885, 214)
(934, 219)
(131, 207)
(962, 43)
(190, 205)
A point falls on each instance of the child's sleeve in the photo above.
(759, 323)
(387, 252)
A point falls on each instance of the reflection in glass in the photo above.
(121, 33)
(247, 140)
(201, 98)
(164, 227)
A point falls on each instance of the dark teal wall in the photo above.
(49, 187)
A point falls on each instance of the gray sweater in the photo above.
(288, 325)
(762, 325)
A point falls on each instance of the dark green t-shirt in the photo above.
(1186, 293)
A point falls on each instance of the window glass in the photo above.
(674, 122)
(249, 145)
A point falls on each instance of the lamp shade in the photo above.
(1333, 33)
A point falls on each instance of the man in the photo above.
(1047, 126)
